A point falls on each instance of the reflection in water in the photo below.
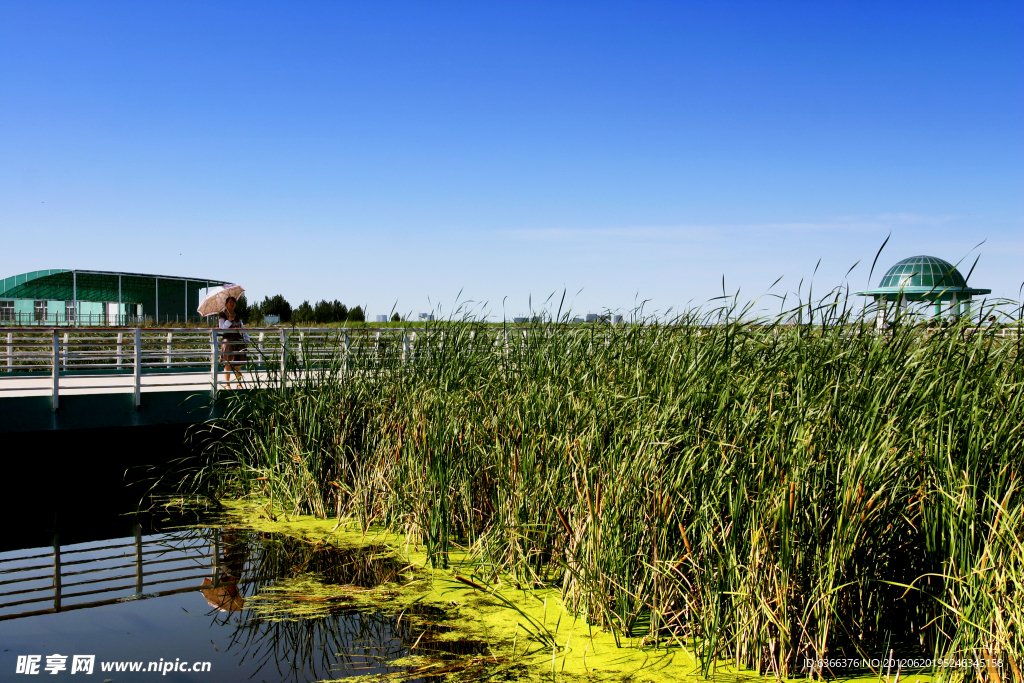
(335, 638)
(223, 595)
(221, 591)
(219, 571)
(339, 643)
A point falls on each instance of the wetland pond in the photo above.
(82, 575)
(237, 602)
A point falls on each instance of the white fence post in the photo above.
(284, 357)
(213, 362)
(170, 336)
(120, 348)
(138, 367)
(344, 360)
(10, 352)
(65, 351)
(56, 371)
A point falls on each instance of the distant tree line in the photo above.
(327, 312)
(321, 312)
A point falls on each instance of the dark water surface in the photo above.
(83, 484)
(141, 590)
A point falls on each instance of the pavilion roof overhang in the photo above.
(919, 293)
(91, 285)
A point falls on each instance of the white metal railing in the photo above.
(60, 361)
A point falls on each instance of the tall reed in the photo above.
(766, 493)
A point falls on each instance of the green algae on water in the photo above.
(460, 628)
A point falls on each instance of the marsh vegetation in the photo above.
(761, 493)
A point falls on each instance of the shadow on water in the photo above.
(80, 574)
(83, 483)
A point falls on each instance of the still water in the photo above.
(114, 592)
(192, 609)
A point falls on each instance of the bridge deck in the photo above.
(20, 387)
(64, 378)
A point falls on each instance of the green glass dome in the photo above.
(923, 278)
(923, 271)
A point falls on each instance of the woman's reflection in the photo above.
(221, 591)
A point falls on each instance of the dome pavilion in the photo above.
(923, 278)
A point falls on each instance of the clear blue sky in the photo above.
(396, 153)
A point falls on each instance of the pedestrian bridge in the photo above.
(79, 378)
(74, 378)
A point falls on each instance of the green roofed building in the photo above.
(89, 297)
(923, 278)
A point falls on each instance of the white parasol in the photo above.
(215, 300)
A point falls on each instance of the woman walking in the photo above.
(233, 347)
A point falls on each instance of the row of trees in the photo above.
(321, 312)
(327, 312)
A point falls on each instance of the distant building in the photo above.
(923, 278)
(426, 316)
(91, 297)
(380, 318)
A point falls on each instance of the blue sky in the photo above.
(395, 154)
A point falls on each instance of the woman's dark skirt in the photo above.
(233, 353)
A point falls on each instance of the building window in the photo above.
(7, 311)
(40, 309)
(69, 312)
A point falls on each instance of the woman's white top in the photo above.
(226, 324)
